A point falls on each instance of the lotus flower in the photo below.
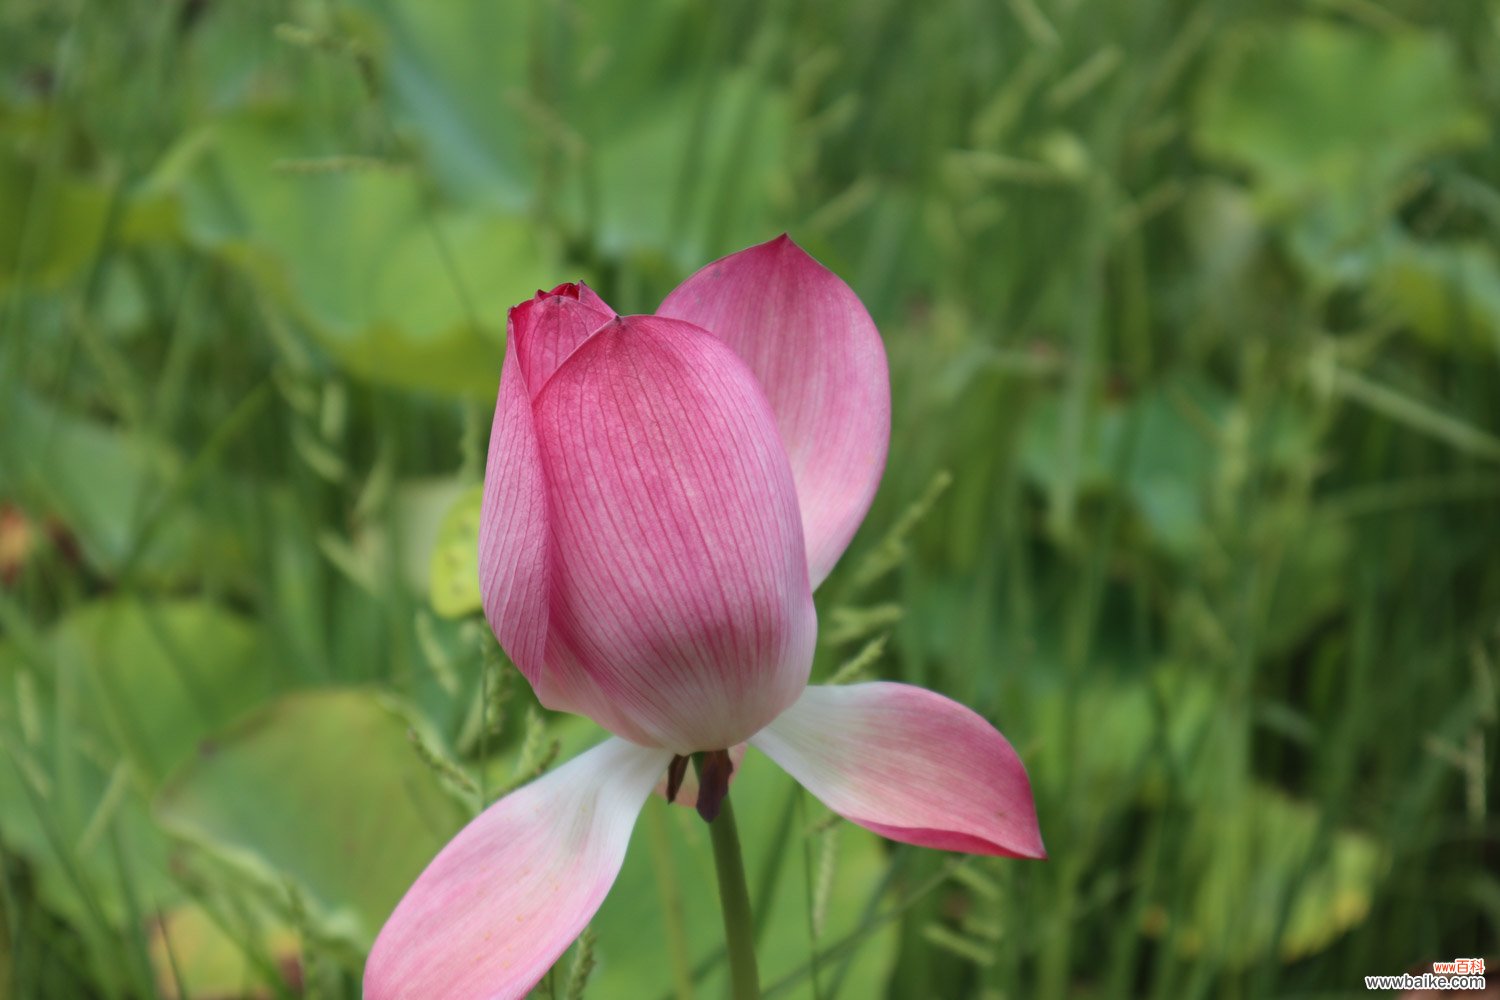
(662, 496)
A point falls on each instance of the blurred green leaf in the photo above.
(1449, 293)
(1329, 120)
(1311, 107)
(125, 690)
(1130, 746)
(1166, 479)
(458, 98)
(640, 148)
(162, 676)
(322, 789)
(1172, 447)
(419, 512)
(190, 949)
(53, 223)
(400, 290)
(102, 483)
(691, 179)
(1280, 855)
(1312, 582)
(453, 576)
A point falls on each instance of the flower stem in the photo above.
(671, 904)
(734, 900)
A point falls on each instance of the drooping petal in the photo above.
(514, 572)
(910, 765)
(506, 897)
(812, 345)
(681, 614)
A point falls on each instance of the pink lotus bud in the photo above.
(662, 495)
(642, 557)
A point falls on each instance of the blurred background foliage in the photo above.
(1193, 311)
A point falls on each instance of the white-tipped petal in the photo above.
(505, 898)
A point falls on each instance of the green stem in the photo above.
(671, 902)
(734, 900)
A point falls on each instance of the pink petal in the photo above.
(681, 615)
(810, 342)
(910, 765)
(514, 570)
(506, 897)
